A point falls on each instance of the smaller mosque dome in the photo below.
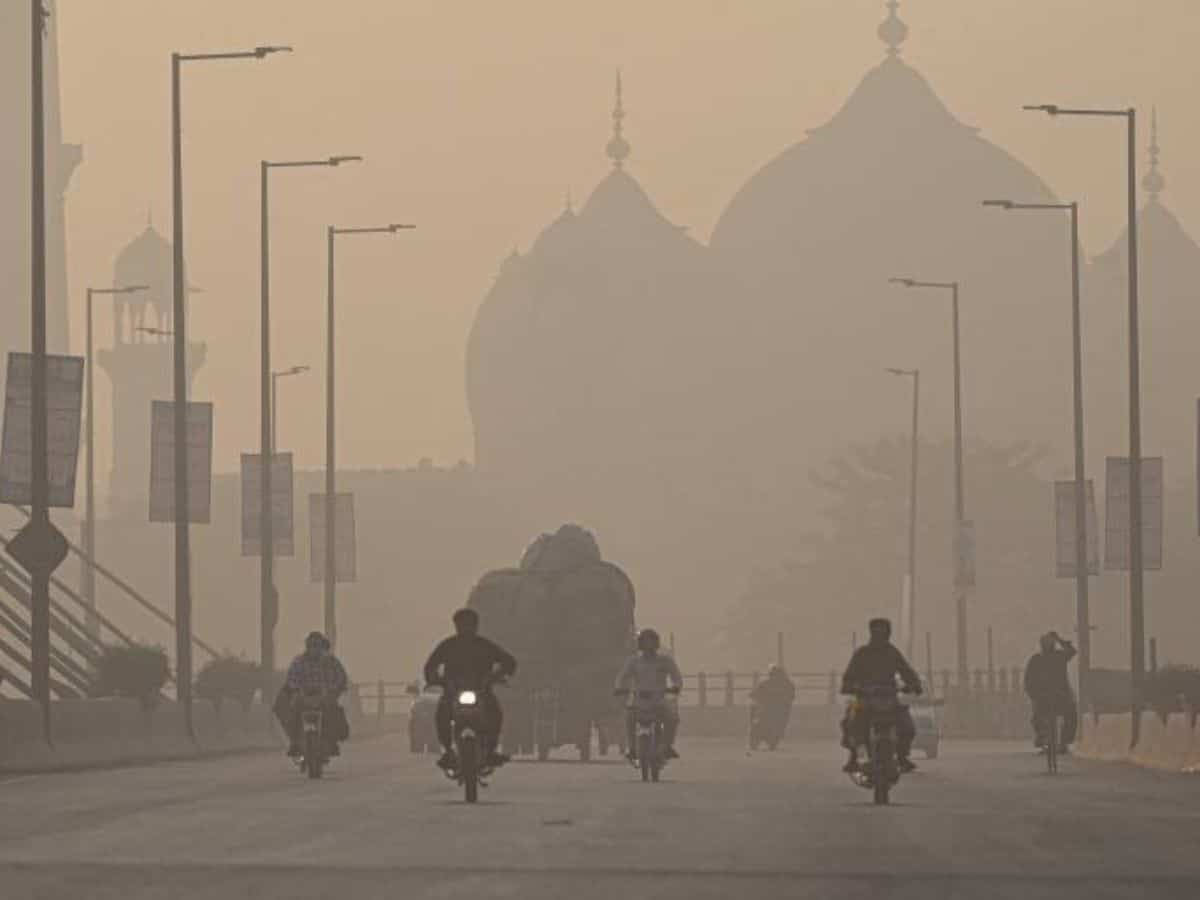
(148, 260)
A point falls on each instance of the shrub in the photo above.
(229, 678)
(138, 671)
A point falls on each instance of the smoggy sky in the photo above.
(478, 118)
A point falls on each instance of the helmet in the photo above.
(1047, 641)
(648, 639)
(316, 641)
(466, 620)
(881, 627)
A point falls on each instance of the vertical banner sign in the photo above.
(1116, 513)
(344, 559)
(162, 461)
(964, 555)
(64, 405)
(282, 529)
(1064, 531)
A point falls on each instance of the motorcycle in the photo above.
(473, 745)
(881, 771)
(648, 744)
(314, 752)
(766, 726)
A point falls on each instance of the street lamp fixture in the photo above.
(960, 503)
(183, 595)
(330, 449)
(1137, 609)
(275, 376)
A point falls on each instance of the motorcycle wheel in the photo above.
(313, 761)
(468, 766)
(646, 757)
(881, 775)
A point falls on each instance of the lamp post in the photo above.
(1137, 612)
(330, 460)
(183, 596)
(268, 596)
(960, 502)
(911, 624)
(92, 623)
(1082, 611)
(275, 376)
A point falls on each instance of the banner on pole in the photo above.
(344, 553)
(1064, 532)
(162, 461)
(964, 555)
(1116, 513)
(282, 528)
(64, 410)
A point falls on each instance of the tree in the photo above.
(138, 671)
(228, 677)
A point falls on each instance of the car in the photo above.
(422, 730)
(929, 729)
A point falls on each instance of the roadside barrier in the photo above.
(1169, 743)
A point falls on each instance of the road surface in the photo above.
(980, 822)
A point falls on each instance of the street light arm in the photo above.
(386, 229)
(333, 161)
(1009, 204)
(1055, 110)
(913, 283)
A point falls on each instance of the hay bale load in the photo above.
(567, 615)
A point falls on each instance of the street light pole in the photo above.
(92, 622)
(1137, 612)
(911, 624)
(330, 449)
(1082, 573)
(960, 500)
(183, 597)
(268, 596)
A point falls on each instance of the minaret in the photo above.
(1154, 182)
(15, 174)
(618, 148)
(892, 31)
(138, 365)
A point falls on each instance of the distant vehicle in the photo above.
(929, 730)
(422, 730)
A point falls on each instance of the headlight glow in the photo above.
(467, 698)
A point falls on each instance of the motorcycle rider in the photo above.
(878, 661)
(647, 671)
(773, 699)
(466, 661)
(1049, 689)
(315, 668)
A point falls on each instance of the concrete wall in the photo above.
(89, 733)
(1171, 744)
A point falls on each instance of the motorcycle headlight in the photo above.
(467, 698)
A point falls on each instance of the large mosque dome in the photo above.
(583, 358)
(892, 186)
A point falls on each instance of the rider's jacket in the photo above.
(1046, 673)
(879, 663)
(317, 672)
(774, 692)
(466, 661)
(649, 673)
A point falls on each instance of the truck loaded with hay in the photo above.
(567, 616)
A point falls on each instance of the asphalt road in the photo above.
(980, 822)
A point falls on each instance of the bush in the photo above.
(138, 671)
(229, 678)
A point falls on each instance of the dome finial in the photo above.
(892, 31)
(618, 147)
(1154, 182)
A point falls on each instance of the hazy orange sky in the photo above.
(477, 118)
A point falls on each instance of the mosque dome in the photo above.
(583, 355)
(147, 259)
(890, 187)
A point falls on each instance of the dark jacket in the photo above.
(465, 661)
(1046, 673)
(774, 692)
(879, 664)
